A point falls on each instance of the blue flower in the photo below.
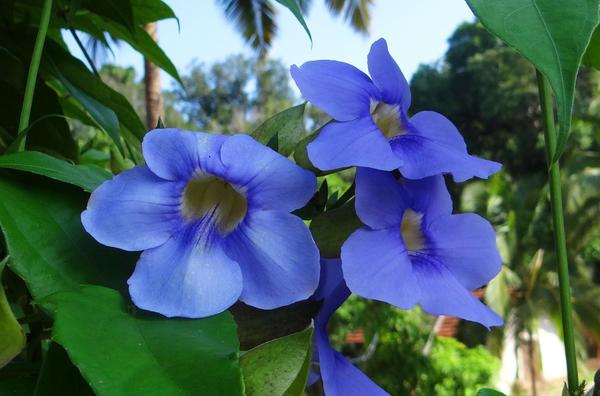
(413, 250)
(211, 214)
(340, 377)
(371, 127)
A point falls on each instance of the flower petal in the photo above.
(352, 143)
(331, 276)
(466, 244)
(278, 258)
(174, 154)
(429, 196)
(380, 198)
(270, 180)
(433, 146)
(441, 294)
(340, 377)
(135, 210)
(188, 276)
(339, 89)
(376, 265)
(387, 76)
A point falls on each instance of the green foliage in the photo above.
(287, 128)
(218, 98)
(398, 362)
(294, 7)
(449, 359)
(331, 228)
(88, 177)
(553, 35)
(278, 367)
(125, 353)
(49, 248)
(12, 338)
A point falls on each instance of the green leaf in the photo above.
(104, 116)
(552, 35)
(59, 376)
(278, 367)
(120, 353)
(87, 177)
(140, 40)
(12, 338)
(592, 53)
(57, 58)
(331, 228)
(48, 246)
(489, 392)
(145, 11)
(19, 378)
(119, 11)
(287, 127)
(294, 7)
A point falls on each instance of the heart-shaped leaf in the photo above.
(278, 367)
(48, 246)
(553, 35)
(124, 353)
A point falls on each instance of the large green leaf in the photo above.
(294, 7)
(59, 376)
(552, 35)
(140, 40)
(57, 58)
(12, 338)
(48, 246)
(145, 11)
(278, 367)
(125, 353)
(331, 228)
(87, 177)
(592, 53)
(119, 11)
(287, 127)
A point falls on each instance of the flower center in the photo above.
(388, 119)
(211, 196)
(410, 229)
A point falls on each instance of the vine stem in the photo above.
(560, 243)
(33, 69)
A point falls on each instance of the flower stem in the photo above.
(559, 233)
(33, 69)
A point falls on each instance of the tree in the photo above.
(154, 102)
(256, 19)
(234, 95)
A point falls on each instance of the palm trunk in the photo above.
(154, 104)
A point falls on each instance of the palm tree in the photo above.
(154, 102)
(255, 19)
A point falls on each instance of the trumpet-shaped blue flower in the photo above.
(413, 250)
(211, 214)
(340, 377)
(371, 127)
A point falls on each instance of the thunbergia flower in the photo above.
(413, 250)
(211, 213)
(371, 127)
(340, 377)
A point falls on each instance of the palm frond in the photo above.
(254, 19)
(356, 12)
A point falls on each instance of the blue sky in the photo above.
(416, 32)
